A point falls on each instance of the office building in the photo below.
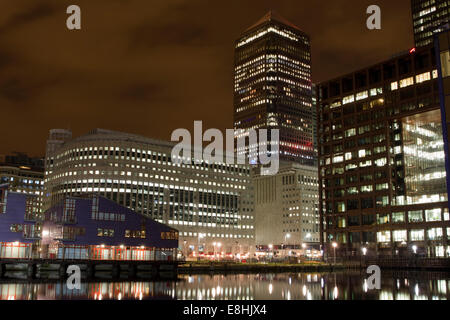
(381, 160)
(442, 50)
(272, 87)
(429, 17)
(24, 174)
(287, 207)
(81, 229)
(20, 224)
(210, 204)
(97, 228)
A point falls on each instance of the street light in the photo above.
(200, 235)
(334, 244)
(288, 235)
(303, 248)
(271, 249)
(414, 247)
(364, 251)
(219, 245)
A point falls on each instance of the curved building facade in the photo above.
(210, 204)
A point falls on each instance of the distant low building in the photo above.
(24, 174)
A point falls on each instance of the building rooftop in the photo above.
(273, 16)
(104, 134)
(22, 161)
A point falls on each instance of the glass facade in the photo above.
(424, 160)
(382, 159)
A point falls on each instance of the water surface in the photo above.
(282, 286)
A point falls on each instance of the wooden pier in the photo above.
(90, 269)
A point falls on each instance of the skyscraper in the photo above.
(429, 17)
(272, 86)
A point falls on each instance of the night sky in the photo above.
(149, 67)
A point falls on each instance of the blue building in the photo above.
(20, 226)
(96, 228)
(84, 228)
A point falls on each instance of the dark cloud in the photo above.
(149, 66)
(27, 16)
(13, 90)
(145, 92)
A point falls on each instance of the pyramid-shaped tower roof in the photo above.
(273, 16)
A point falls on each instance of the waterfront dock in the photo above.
(423, 264)
(90, 269)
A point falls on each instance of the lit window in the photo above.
(433, 215)
(394, 86)
(384, 236)
(445, 63)
(417, 235)
(399, 235)
(398, 217)
(406, 82)
(435, 234)
(338, 159)
(415, 216)
(423, 77)
(348, 99)
(381, 162)
(362, 95)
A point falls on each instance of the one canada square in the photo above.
(272, 87)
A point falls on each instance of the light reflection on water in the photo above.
(283, 286)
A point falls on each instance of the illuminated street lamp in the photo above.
(271, 249)
(200, 235)
(287, 236)
(364, 250)
(334, 244)
(218, 244)
(414, 248)
(304, 247)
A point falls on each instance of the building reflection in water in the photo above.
(286, 286)
(88, 291)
